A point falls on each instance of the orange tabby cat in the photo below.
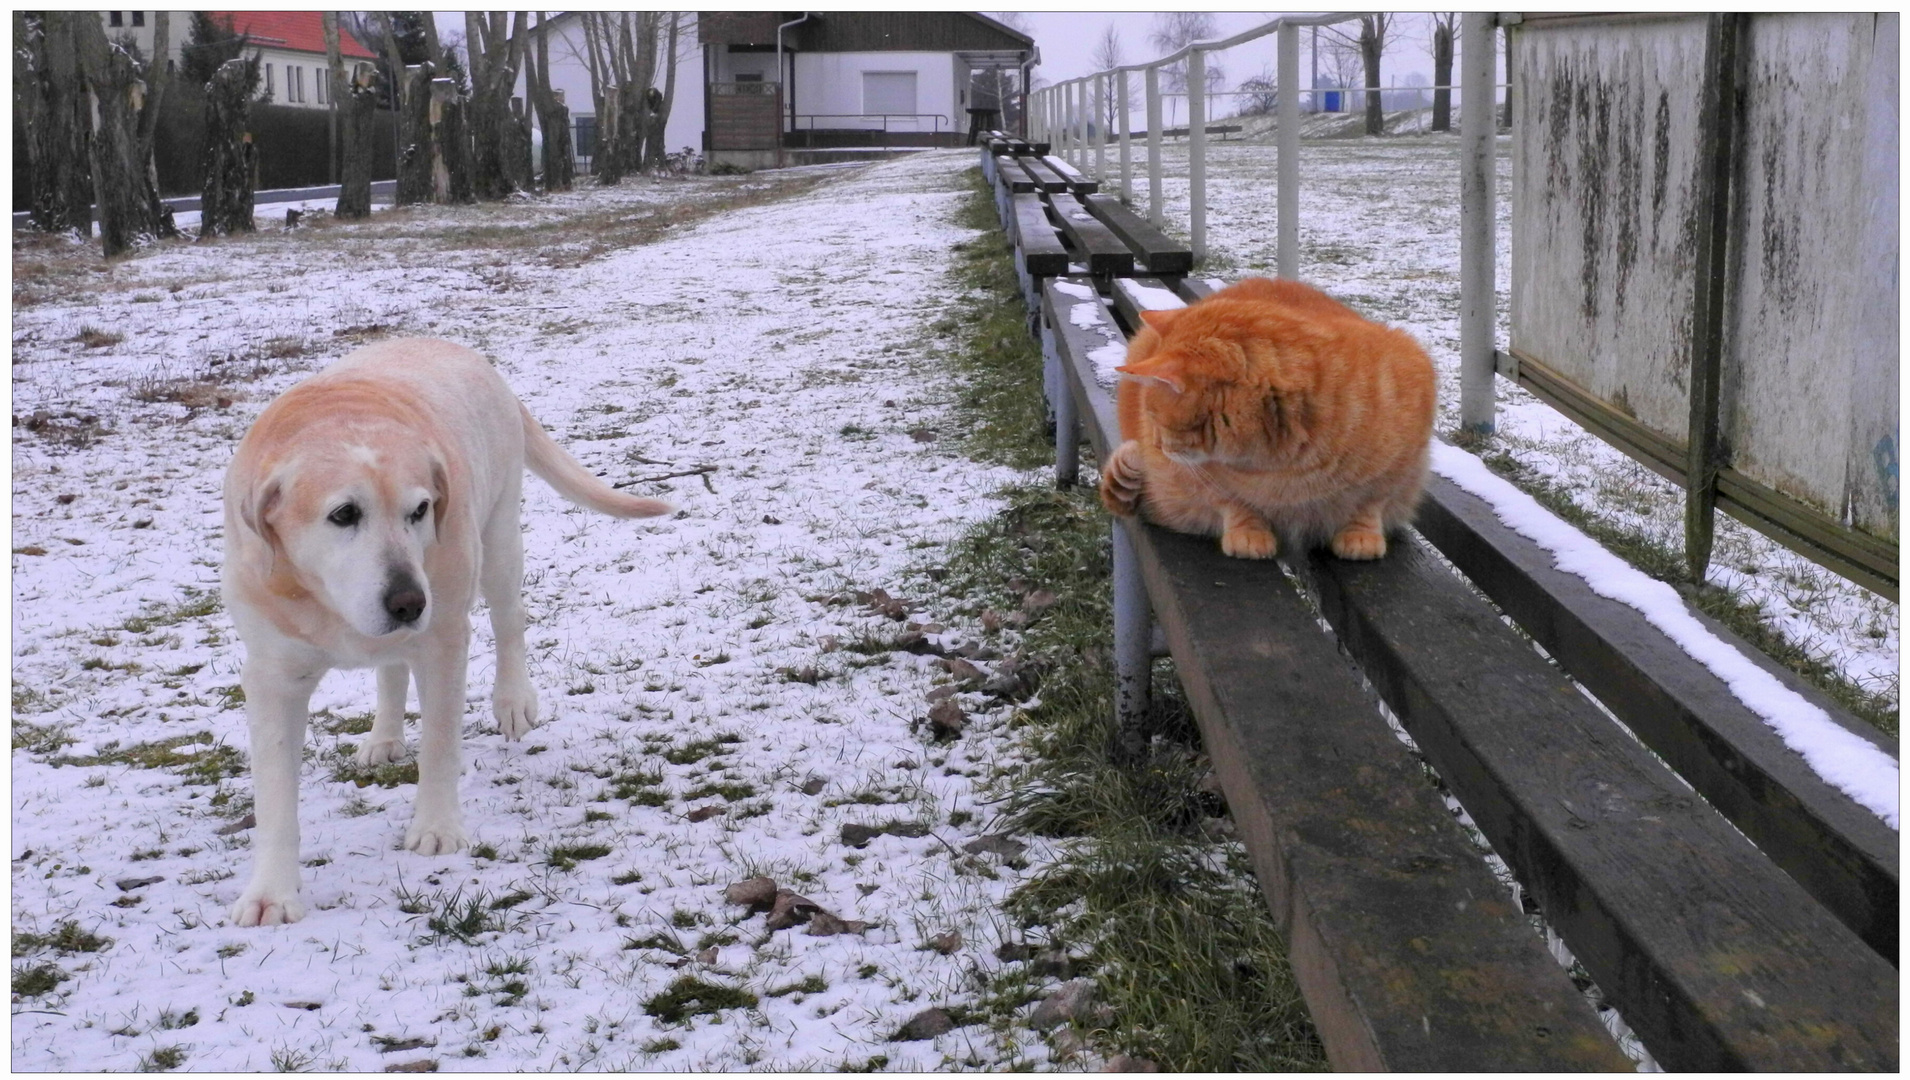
(1270, 409)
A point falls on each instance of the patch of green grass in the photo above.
(35, 738)
(998, 397)
(198, 604)
(567, 856)
(390, 774)
(162, 1059)
(692, 752)
(453, 915)
(1743, 617)
(206, 763)
(660, 1046)
(731, 791)
(811, 984)
(37, 979)
(510, 900)
(690, 996)
(661, 940)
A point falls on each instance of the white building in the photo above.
(291, 46)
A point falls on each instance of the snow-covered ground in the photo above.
(710, 714)
(1379, 228)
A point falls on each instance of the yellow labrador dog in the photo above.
(363, 511)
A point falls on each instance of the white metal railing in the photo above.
(1060, 113)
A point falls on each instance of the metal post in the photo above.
(1067, 420)
(1476, 285)
(1127, 148)
(1133, 641)
(1197, 154)
(1101, 127)
(1154, 147)
(1288, 223)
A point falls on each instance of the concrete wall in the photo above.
(1605, 159)
(829, 85)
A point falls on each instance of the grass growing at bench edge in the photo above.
(1165, 911)
(1728, 606)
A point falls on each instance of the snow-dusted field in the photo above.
(1379, 228)
(711, 716)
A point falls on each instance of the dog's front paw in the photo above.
(379, 752)
(515, 708)
(439, 836)
(262, 906)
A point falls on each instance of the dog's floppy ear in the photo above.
(257, 509)
(440, 493)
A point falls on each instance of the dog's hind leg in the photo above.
(437, 823)
(277, 705)
(501, 578)
(386, 740)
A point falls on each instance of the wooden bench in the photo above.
(1718, 954)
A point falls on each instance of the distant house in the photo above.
(777, 83)
(291, 45)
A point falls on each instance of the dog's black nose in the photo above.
(404, 601)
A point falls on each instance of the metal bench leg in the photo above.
(1133, 641)
(1067, 428)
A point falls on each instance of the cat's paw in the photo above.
(1359, 543)
(1254, 541)
(1122, 480)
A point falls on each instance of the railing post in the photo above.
(1288, 223)
(1197, 154)
(1476, 285)
(1067, 420)
(1154, 147)
(1127, 151)
(1101, 127)
(1133, 642)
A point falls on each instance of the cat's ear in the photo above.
(1161, 320)
(1154, 370)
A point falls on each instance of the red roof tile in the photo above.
(300, 31)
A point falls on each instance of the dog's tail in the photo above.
(563, 473)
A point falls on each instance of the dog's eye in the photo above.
(345, 516)
(418, 514)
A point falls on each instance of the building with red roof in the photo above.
(291, 47)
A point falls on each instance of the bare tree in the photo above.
(50, 105)
(1109, 54)
(1443, 24)
(126, 92)
(353, 99)
(500, 138)
(1174, 31)
(661, 103)
(621, 50)
(553, 117)
(1374, 36)
(232, 159)
(1261, 94)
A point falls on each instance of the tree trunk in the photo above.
(1442, 77)
(232, 162)
(59, 122)
(121, 180)
(552, 117)
(357, 111)
(518, 167)
(450, 118)
(604, 160)
(414, 137)
(655, 148)
(1370, 48)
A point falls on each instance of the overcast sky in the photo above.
(1067, 39)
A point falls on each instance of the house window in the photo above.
(298, 84)
(320, 82)
(268, 81)
(139, 18)
(116, 18)
(749, 76)
(891, 92)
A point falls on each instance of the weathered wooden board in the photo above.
(1045, 178)
(1714, 956)
(1016, 180)
(1409, 953)
(1036, 245)
(1105, 253)
(1154, 249)
(1813, 408)
(1840, 852)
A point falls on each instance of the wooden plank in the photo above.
(1838, 851)
(1409, 953)
(1036, 245)
(1044, 177)
(1716, 958)
(1016, 180)
(1105, 254)
(1156, 252)
(1077, 183)
(1131, 296)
